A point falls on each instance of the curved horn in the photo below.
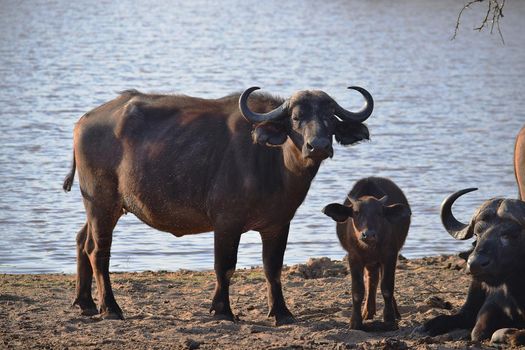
(255, 118)
(361, 115)
(383, 200)
(455, 228)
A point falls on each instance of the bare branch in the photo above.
(492, 16)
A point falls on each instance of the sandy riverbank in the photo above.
(170, 310)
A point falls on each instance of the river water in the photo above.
(446, 111)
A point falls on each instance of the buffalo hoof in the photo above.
(282, 316)
(390, 326)
(111, 315)
(285, 319)
(378, 326)
(89, 312)
(87, 307)
(368, 315)
(225, 317)
(222, 311)
(438, 325)
(508, 336)
(356, 321)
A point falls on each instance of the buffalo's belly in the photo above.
(174, 218)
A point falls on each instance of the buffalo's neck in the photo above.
(516, 288)
(298, 172)
(296, 165)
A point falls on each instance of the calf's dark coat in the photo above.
(188, 165)
(496, 296)
(372, 227)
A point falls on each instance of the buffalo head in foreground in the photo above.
(496, 297)
(188, 165)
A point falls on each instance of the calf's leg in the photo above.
(372, 280)
(387, 289)
(358, 292)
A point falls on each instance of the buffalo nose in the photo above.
(320, 145)
(368, 234)
(478, 263)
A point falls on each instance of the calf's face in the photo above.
(371, 217)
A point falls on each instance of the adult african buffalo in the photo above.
(188, 165)
(496, 297)
(519, 162)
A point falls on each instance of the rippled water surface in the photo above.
(446, 111)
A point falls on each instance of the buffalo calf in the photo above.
(372, 226)
(496, 296)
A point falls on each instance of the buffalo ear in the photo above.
(269, 134)
(338, 212)
(397, 212)
(347, 133)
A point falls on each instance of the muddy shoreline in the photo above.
(169, 310)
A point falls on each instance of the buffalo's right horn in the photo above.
(255, 118)
(455, 228)
(359, 116)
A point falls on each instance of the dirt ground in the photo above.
(170, 310)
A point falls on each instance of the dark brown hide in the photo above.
(519, 162)
(496, 297)
(188, 165)
(372, 227)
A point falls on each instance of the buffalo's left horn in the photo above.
(361, 115)
(455, 228)
(255, 118)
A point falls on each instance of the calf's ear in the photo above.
(347, 133)
(269, 134)
(397, 212)
(338, 212)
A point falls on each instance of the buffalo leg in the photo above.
(226, 247)
(387, 289)
(273, 246)
(465, 318)
(102, 218)
(358, 292)
(372, 279)
(84, 276)
(396, 310)
(497, 312)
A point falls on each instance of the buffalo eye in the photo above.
(479, 228)
(295, 117)
(507, 236)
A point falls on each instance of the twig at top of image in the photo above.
(492, 17)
